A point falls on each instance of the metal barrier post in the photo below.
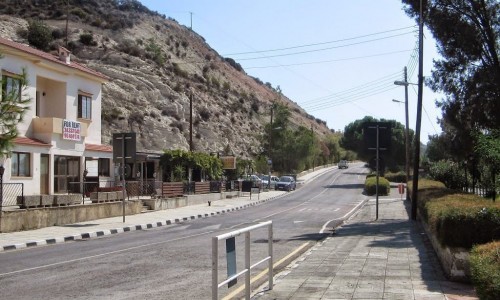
(247, 265)
(270, 253)
(215, 264)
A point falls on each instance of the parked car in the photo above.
(343, 164)
(257, 182)
(286, 183)
(265, 181)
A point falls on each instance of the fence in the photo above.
(134, 189)
(215, 258)
(10, 192)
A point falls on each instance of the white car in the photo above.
(265, 181)
(343, 164)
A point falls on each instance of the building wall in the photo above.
(57, 87)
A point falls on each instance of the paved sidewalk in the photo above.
(115, 225)
(388, 258)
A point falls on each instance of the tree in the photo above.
(394, 158)
(39, 35)
(467, 33)
(13, 107)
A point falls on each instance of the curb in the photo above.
(100, 233)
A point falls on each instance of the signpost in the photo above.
(124, 150)
(380, 141)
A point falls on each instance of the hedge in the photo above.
(485, 270)
(384, 186)
(458, 219)
(396, 177)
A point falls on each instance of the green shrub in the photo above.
(384, 186)
(39, 35)
(449, 173)
(87, 39)
(463, 220)
(155, 52)
(485, 270)
(396, 177)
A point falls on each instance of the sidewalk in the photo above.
(115, 225)
(388, 258)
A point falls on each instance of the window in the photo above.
(84, 106)
(11, 87)
(21, 164)
(103, 167)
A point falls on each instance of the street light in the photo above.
(405, 83)
(407, 145)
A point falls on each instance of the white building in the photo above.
(60, 135)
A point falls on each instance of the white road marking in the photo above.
(103, 254)
(343, 217)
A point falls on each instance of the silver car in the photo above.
(265, 181)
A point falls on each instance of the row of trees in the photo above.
(292, 148)
(467, 33)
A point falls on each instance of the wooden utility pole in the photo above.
(191, 122)
(416, 159)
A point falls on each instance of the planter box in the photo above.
(98, 197)
(28, 201)
(67, 199)
(46, 200)
(112, 196)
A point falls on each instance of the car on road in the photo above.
(343, 164)
(265, 181)
(286, 183)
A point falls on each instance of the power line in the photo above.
(328, 61)
(377, 81)
(322, 49)
(318, 44)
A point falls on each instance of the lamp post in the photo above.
(407, 144)
(405, 83)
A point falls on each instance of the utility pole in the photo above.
(67, 20)
(191, 26)
(191, 122)
(416, 159)
(407, 135)
(312, 145)
(270, 160)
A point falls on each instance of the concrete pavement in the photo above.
(388, 258)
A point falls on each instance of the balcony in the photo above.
(45, 126)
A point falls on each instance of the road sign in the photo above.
(124, 147)
(370, 135)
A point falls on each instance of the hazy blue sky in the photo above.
(337, 59)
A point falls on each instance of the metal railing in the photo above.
(215, 258)
(10, 192)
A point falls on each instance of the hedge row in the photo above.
(458, 219)
(384, 187)
(465, 220)
(485, 270)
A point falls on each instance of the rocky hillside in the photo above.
(156, 65)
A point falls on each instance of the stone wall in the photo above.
(34, 218)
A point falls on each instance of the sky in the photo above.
(337, 59)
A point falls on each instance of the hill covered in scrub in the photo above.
(155, 66)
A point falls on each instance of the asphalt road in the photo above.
(174, 262)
